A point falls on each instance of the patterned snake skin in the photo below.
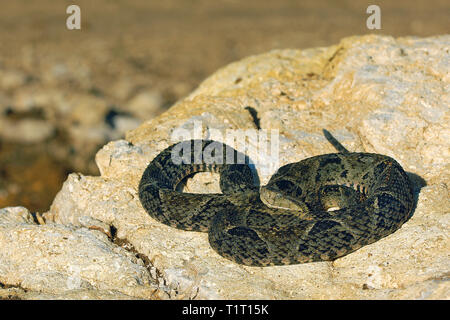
(318, 209)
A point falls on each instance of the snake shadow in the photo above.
(417, 183)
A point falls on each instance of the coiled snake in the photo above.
(317, 209)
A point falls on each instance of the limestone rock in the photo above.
(26, 130)
(12, 79)
(145, 104)
(374, 93)
(56, 259)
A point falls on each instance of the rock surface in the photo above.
(56, 259)
(375, 94)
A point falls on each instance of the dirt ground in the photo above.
(168, 46)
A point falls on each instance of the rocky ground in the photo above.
(65, 94)
(375, 94)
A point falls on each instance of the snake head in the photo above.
(272, 197)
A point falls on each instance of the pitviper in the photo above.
(317, 209)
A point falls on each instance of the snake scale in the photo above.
(317, 209)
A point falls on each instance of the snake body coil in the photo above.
(318, 209)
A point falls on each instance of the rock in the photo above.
(88, 122)
(37, 97)
(12, 79)
(123, 123)
(84, 109)
(26, 130)
(5, 102)
(145, 104)
(73, 70)
(123, 88)
(15, 215)
(56, 259)
(79, 294)
(374, 93)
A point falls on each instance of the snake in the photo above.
(318, 209)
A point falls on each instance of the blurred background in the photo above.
(64, 94)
